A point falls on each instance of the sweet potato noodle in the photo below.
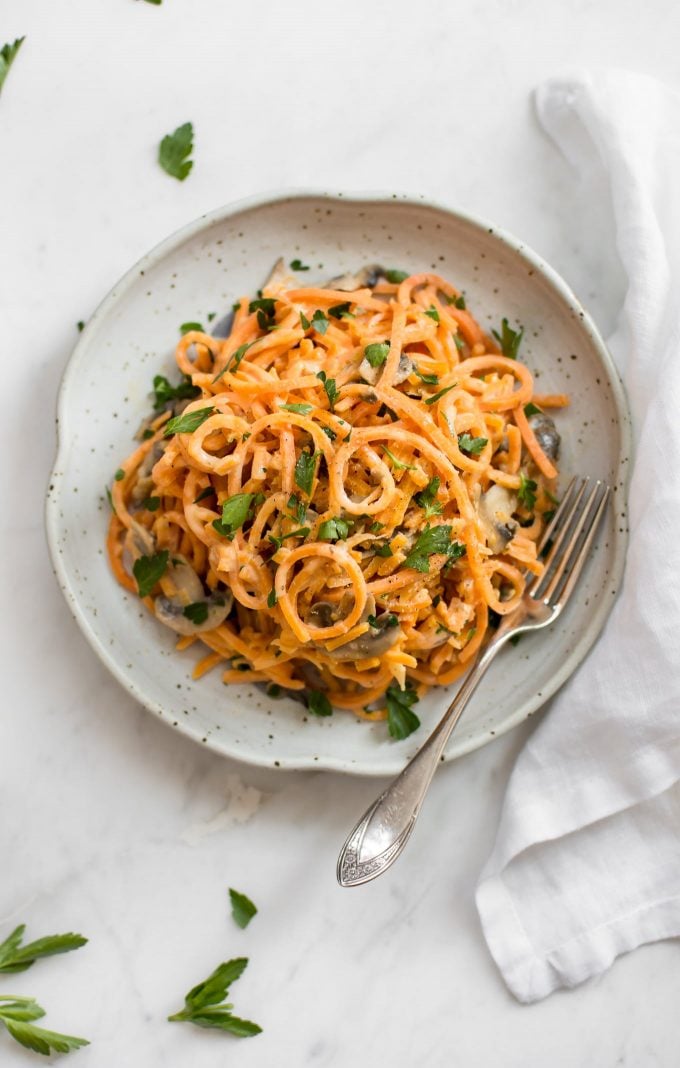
(344, 493)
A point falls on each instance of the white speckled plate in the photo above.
(202, 269)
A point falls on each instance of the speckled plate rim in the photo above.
(617, 551)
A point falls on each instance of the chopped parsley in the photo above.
(318, 704)
(271, 598)
(298, 265)
(301, 409)
(438, 396)
(152, 504)
(401, 721)
(526, 494)
(377, 353)
(383, 622)
(331, 388)
(185, 328)
(148, 570)
(433, 540)
(304, 321)
(188, 422)
(81, 326)
(263, 304)
(242, 908)
(384, 550)
(472, 446)
(196, 612)
(335, 529)
(235, 358)
(119, 475)
(427, 498)
(297, 507)
(235, 511)
(207, 492)
(277, 542)
(8, 54)
(341, 311)
(319, 322)
(458, 302)
(164, 393)
(509, 339)
(531, 409)
(396, 277)
(429, 380)
(304, 472)
(433, 313)
(398, 464)
(174, 151)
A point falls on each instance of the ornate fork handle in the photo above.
(380, 836)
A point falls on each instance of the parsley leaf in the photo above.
(17, 958)
(277, 542)
(174, 150)
(304, 472)
(383, 622)
(202, 1005)
(437, 396)
(242, 908)
(152, 504)
(509, 339)
(301, 409)
(235, 358)
(338, 311)
(18, 1015)
(8, 54)
(318, 703)
(377, 353)
(271, 598)
(119, 475)
(110, 500)
(164, 393)
(304, 321)
(429, 380)
(235, 511)
(432, 540)
(207, 492)
(398, 464)
(401, 721)
(330, 387)
(427, 498)
(81, 326)
(433, 313)
(319, 321)
(196, 612)
(335, 529)
(395, 277)
(531, 409)
(472, 446)
(526, 494)
(185, 328)
(148, 570)
(297, 507)
(188, 422)
(264, 304)
(298, 265)
(384, 550)
(458, 302)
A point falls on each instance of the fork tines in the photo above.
(567, 540)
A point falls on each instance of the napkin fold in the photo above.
(586, 864)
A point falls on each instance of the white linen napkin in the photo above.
(587, 860)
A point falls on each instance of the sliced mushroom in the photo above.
(495, 512)
(189, 591)
(546, 434)
(223, 327)
(376, 640)
(143, 541)
(144, 484)
(367, 276)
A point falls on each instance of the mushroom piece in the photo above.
(371, 374)
(144, 484)
(367, 276)
(495, 510)
(223, 326)
(546, 434)
(376, 640)
(189, 591)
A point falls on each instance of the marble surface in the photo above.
(115, 826)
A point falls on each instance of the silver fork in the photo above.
(383, 831)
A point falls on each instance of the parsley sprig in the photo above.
(433, 540)
(401, 721)
(526, 494)
(330, 387)
(164, 393)
(188, 422)
(148, 570)
(8, 54)
(17, 958)
(205, 1006)
(174, 151)
(509, 339)
(427, 498)
(18, 1016)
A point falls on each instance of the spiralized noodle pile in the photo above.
(341, 495)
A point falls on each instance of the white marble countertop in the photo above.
(112, 824)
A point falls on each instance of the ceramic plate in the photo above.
(203, 269)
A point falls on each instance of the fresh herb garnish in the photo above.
(298, 265)
(531, 409)
(340, 311)
(148, 570)
(526, 494)
(119, 475)
(297, 507)
(80, 325)
(550, 496)
(427, 498)
(8, 54)
(432, 540)
(301, 409)
(151, 504)
(304, 472)
(235, 511)
(277, 542)
(319, 321)
(458, 302)
(273, 690)
(472, 446)
(242, 908)
(318, 703)
(384, 550)
(235, 358)
(335, 529)
(264, 304)
(207, 492)
(377, 353)
(438, 396)
(433, 313)
(164, 393)
(18, 1015)
(271, 598)
(17, 958)
(188, 422)
(509, 339)
(174, 150)
(110, 500)
(401, 721)
(196, 612)
(383, 622)
(429, 380)
(376, 527)
(396, 277)
(330, 388)
(304, 321)
(202, 1004)
(185, 328)
(549, 515)
(398, 464)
